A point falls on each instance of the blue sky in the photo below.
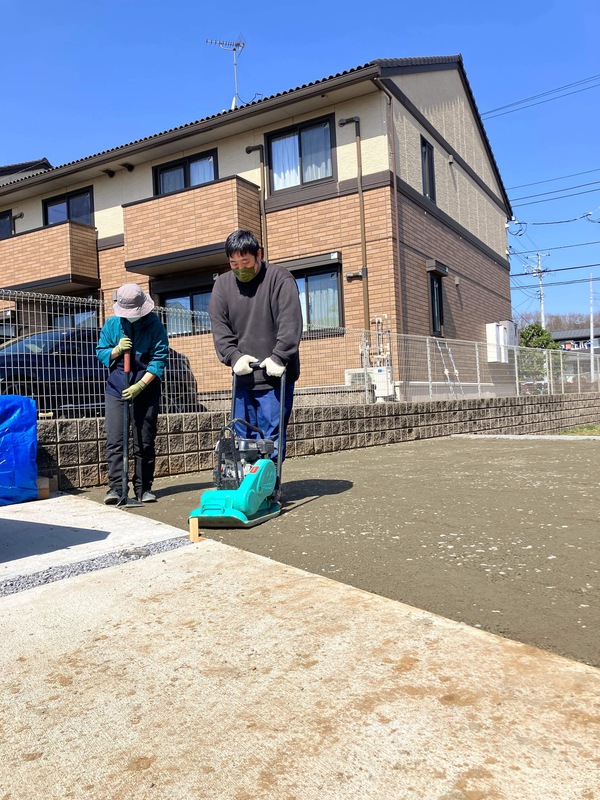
(79, 78)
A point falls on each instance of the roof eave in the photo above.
(290, 97)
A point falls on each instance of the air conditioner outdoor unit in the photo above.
(380, 378)
(358, 376)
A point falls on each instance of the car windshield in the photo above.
(38, 343)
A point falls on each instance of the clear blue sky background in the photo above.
(79, 78)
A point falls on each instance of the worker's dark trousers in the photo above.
(144, 414)
(261, 409)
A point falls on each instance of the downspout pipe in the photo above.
(392, 140)
(263, 216)
(363, 235)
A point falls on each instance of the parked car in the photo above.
(59, 369)
(535, 387)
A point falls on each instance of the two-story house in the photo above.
(376, 187)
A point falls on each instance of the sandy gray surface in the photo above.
(498, 533)
(210, 673)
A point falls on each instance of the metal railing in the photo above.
(47, 351)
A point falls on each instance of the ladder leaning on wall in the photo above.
(444, 348)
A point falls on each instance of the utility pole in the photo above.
(236, 47)
(591, 330)
(538, 271)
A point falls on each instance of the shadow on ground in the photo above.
(24, 539)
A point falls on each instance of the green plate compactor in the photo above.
(246, 479)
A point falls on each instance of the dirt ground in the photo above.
(498, 533)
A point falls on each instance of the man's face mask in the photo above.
(244, 274)
(243, 266)
(136, 318)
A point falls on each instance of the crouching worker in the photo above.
(256, 316)
(137, 329)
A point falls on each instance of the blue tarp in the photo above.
(18, 449)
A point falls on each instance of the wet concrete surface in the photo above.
(500, 533)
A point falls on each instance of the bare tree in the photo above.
(557, 322)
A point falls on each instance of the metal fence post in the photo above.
(427, 343)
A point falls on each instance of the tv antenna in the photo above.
(236, 47)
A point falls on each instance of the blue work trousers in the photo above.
(261, 408)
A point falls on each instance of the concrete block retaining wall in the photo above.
(72, 451)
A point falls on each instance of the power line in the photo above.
(549, 180)
(564, 283)
(555, 222)
(549, 199)
(511, 106)
(555, 191)
(543, 94)
(558, 269)
(558, 247)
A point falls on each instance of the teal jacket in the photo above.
(150, 350)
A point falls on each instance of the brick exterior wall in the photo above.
(483, 294)
(113, 273)
(73, 450)
(48, 252)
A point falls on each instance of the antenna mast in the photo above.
(236, 47)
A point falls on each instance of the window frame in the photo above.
(8, 216)
(436, 303)
(308, 272)
(428, 169)
(67, 197)
(195, 329)
(298, 128)
(185, 163)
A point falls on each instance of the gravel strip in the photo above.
(23, 582)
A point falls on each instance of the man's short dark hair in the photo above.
(241, 242)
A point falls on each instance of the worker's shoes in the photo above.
(147, 497)
(112, 497)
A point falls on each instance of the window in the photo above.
(301, 155)
(6, 228)
(187, 313)
(186, 172)
(320, 299)
(427, 170)
(72, 206)
(437, 304)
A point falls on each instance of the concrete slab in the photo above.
(209, 672)
(65, 529)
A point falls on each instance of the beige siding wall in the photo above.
(441, 98)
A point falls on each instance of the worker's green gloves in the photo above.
(273, 369)
(242, 365)
(125, 343)
(132, 391)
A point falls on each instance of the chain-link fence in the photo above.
(47, 351)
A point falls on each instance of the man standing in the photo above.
(256, 316)
(137, 329)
